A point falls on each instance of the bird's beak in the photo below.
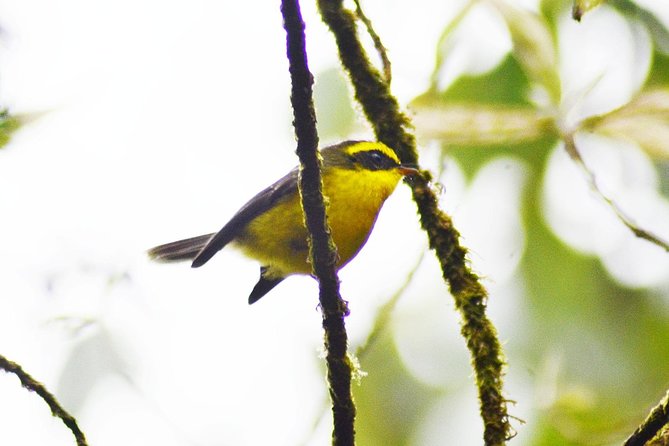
(406, 170)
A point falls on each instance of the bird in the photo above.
(358, 177)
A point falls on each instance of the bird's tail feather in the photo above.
(186, 249)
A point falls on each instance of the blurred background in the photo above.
(135, 123)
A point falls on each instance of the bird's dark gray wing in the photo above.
(257, 205)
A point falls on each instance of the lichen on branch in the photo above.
(322, 250)
(392, 127)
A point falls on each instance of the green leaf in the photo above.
(8, 124)
(582, 6)
(470, 124)
(657, 29)
(551, 11)
(533, 47)
(643, 121)
(507, 84)
(658, 76)
(480, 117)
(444, 46)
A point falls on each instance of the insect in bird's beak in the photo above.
(407, 171)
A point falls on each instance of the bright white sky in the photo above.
(161, 119)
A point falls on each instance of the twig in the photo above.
(321, 248)
(575, 155)
(381, 322)
(33, 385)
(445, 35)
(383, 316)
(391, 127)
(378, 45)
(657, 418)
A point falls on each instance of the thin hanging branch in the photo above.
(33, 385)
(391, 127)
(575, 155)
(378, 45)
(656, 420)
(322, 251)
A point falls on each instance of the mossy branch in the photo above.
(656, 420)
(33, 385)
(322, 250)
(391, 127)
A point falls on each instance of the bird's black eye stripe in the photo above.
(375, 160)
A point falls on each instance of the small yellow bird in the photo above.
(358, 176)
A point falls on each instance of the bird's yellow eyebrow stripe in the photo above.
(365, 146)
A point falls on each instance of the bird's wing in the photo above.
(257, 205)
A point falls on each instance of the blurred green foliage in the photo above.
(8, 124)
(336, 117)
(611, 341)
(393, 398)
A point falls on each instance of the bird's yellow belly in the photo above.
(352, 211)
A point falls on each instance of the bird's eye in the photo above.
(372, 160)
(376, 158)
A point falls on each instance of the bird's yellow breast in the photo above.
(278, 238)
